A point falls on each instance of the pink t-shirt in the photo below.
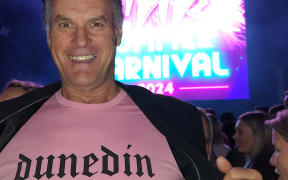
(69, 140)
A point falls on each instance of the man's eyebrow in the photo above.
(100, 18)
(62, 18)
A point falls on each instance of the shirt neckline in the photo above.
(90, 107)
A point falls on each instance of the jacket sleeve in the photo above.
(185, 119)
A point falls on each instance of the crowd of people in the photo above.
(88, 110)
(252, 140)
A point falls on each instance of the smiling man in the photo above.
(82, 38)
(89, 126)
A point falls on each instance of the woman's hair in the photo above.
(217, 132)
(207, 121)
(280, 123)
(263, 133)
(255, 120)
(209, 136)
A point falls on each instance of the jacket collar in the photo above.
(42, 94)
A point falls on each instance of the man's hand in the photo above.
(236, 173)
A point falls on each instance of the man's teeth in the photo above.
(82, 58)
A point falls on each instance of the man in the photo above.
(88, 126)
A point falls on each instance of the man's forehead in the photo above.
(96, 7)
(106, 2)
(63, 17)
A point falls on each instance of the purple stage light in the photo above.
(176, 47)
(203, 87)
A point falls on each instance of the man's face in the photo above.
(280, 157)
(82, 39)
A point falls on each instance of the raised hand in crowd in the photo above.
(236, 173)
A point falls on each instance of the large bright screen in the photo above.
(189, 49)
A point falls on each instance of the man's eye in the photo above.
(64, 25)
(96, 24)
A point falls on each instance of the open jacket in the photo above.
(178, 121)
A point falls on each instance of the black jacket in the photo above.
(178, 121)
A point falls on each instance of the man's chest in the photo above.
(64, 144)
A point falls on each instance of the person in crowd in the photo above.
(234, 156)
(220, 140)
(228, 126)
(273, 110)
(208, 134)
(253, 139)
(264, 109)
(115, 129)
(279, 159)
(16, 88)
(211, 111)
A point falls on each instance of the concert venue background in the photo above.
(192, 50)
(177, 41)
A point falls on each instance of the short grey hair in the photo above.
(117, 11)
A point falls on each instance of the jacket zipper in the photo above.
(27, 106)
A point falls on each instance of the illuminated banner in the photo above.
(189, 49)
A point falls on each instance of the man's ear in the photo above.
(118, 36)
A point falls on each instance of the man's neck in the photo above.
(94, 95)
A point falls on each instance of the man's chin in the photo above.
(80, 84)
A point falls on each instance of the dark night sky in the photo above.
(25, 55)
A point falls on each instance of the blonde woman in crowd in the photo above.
(279, 159)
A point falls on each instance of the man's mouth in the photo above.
(83, 58)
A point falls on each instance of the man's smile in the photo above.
(83, 58)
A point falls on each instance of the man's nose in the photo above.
(81, 37)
